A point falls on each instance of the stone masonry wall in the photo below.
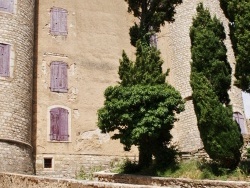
(73, 166)
(16, 29)
(111, 181)
(16, 158)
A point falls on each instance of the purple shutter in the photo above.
(63, 22)
(4, 60)
(58, 21)
(63, 77)
(1, 59)
(63, 132)
(238, 117)
(153, 40)
(59, 78)
(11, 6)
(54, 123)
(6, 5)
(54, 22)
(54, 75)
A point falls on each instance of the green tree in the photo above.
(152, 14)
(238, 14)
(142, 107)
(209, 52)
(210, 81)
(220, 134)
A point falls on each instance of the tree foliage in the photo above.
(210, 81)
(209, 52)
(142, 108)
(238, 14)
(220, 134)
(152, 14)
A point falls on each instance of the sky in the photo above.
(246, 101)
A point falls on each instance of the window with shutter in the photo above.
(153, 40)
(238, 117)
(58, 21)
(58, 77)
(4, 60)
(59, 124)
(6, 5)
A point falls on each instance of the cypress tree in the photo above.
(210, 81)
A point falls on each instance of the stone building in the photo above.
(61, 56)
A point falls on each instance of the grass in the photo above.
(193, 169)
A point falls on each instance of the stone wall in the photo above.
(73, 166)
(169, 182)
(21, 181)
(113, 181)
(17, 30)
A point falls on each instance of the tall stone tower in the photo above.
(16, 80)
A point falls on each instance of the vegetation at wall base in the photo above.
(237, 11)
(193, 169)
(210, 81)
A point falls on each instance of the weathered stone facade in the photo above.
(97, 32)
(17, 30)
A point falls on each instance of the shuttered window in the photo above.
(238, 117)
(4, 60)
(59, 124)
(58, 22)
(59, 77)
(153, 40)
(6, 5)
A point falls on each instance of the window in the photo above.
(6, 5)
(47, 163)
(153, 40)
(59, 124)
(58, 77)
(58, 21)
(4, 60)
(238, 117)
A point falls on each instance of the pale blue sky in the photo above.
(246, 100)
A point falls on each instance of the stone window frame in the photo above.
(52, 162)
(11, 62)
(49, 123)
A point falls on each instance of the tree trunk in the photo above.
(145, 155)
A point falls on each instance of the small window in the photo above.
(238, 117)
(58, 21)
(47, 163)
(59, 124)
(59, 77)
(153, 40)
(4, 60)
(6, 5)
